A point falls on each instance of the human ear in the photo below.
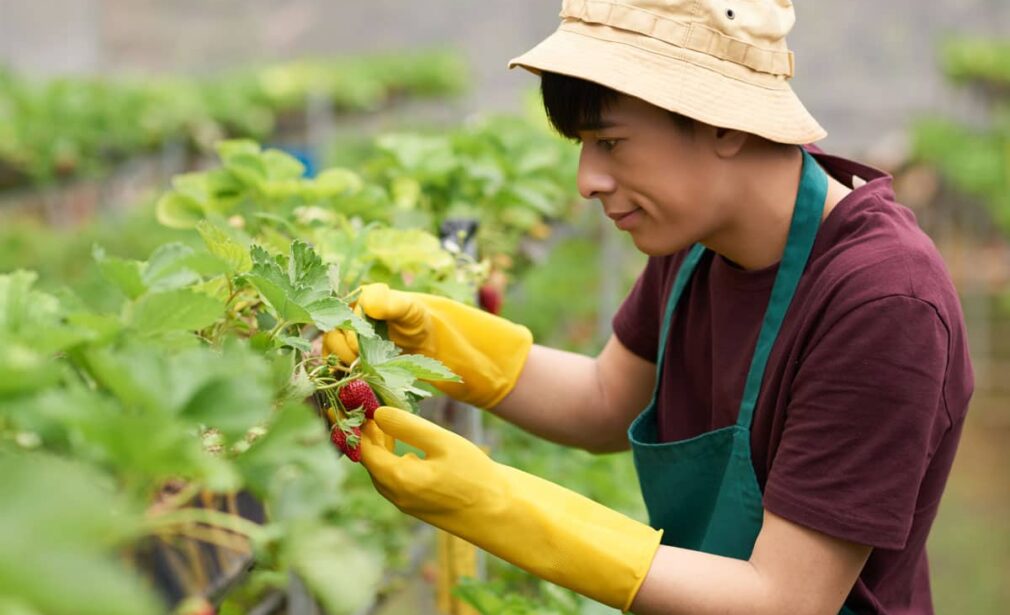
(728, 143)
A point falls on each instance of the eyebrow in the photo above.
(599, 125)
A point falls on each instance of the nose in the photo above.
(594, 180)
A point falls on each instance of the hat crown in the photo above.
(747, 32)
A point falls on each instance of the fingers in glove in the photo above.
(414, 430)
(342, 343)
(377, 451)
(382, 303)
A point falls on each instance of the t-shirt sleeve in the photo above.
(866, 414)
(637, 322)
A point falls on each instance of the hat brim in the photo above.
(679, 84)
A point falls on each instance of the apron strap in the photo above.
(806, 220)
(680, 283)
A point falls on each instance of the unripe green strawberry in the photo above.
(348, 440)
(357, 394)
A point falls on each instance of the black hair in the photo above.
(573, 104)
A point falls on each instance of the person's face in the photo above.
(657, 180)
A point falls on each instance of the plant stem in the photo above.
(215, 518)
(351, 296)
(221, 539)
(278, 328)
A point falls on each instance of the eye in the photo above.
(607, 145)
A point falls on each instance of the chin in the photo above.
(657, 246)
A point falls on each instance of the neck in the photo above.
(760, 203)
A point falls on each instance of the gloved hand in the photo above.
(488, 352)
(541, 527)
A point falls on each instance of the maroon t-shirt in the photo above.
(866, 388)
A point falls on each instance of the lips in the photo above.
(617, 215)
(626, 220)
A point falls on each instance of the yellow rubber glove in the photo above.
(541, 527)
(488, 352)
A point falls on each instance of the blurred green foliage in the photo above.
(974, 158)
(75, 126)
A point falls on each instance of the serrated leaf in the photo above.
(298, 343)
(376, 351)
(298, 387)
(388, 395)
(176, 310)
(278, 298)
(34, 318)
(423, 368)
(168, 268)
(298, 288)
(224, 247)
(332, 313)
(127, 275)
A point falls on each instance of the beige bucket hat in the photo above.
(722, 62)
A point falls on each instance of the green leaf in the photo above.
(298, 343)
(299, 290)
(406, 192)
(248, 168)
(169, 268)
(24, 369)
(126, 275)
(224, 247)
(403, 250)
(322, 556)
(226, 150)
(176, 310)
(376, 351)
(281, 165)
(423, 368)
(177, 210)
(58, 525)
(33, 320)
(332, 313)
(294, 465)
(335, 182)
(298, 387)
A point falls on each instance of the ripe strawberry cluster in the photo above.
(356, 397)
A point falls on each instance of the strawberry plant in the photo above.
(80, 126)
(197, 377)
(199, 371)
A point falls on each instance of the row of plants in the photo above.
(974, 158)
(81, 126)
(500, 182)
(188, 372)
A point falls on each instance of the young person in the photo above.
(790, 370)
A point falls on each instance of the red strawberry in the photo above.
(357, 394)
(348, 441)
(490, 299)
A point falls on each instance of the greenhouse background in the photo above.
(919, 89)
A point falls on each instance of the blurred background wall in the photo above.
(864, 67)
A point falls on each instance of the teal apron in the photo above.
(702, 492)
